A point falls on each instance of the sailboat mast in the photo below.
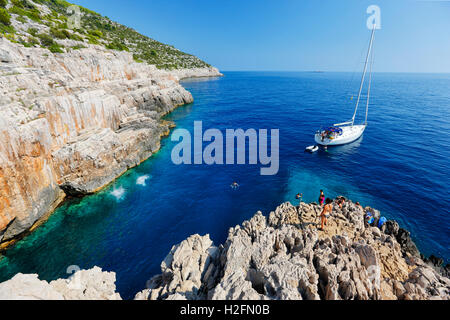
(364, 74)
(368, 90)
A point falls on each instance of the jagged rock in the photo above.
(143, 295)
(186, 271)
(255, 225)
(28, 287)
(271, 258)
(425, 283)
(93, 284)
(285, 257)
(392, 228)
(234, 264)
(284, 214)
(405, 241)
(435, 261)
(376, 232)
(387, 288)
(4, 56)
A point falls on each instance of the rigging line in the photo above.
(364, 74)
(370, 85)
(351, 82)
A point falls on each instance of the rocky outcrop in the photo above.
(71, 123)
(93, 284)
(185, 271)
(284, 256)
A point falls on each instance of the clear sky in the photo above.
(294, 35)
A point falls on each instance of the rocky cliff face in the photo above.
(285, 256)
(71, 123)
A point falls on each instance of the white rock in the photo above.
(91, 284)
(28, 287)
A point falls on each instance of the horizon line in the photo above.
(323, 71)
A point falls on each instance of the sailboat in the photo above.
(347, 132)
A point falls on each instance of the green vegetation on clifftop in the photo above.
(47, 23)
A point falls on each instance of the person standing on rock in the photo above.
(341, 202)
(359, 205)
(299, 197)
(327, 209)
(321, 198)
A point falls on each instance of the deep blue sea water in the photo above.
(400, 166)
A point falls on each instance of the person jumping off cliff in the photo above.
(327, 209)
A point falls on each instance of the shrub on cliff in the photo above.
(55, 48)
(3, 3)
(137, 59)
(5, 18)
(60, 34)
(76, 37)
(31, 13)
(32, 31)
(46, 40)
(116, 45)
(92, 39)
(96, 33)
(94, 29)
(21, 3)
(30, 42)
(78, 47)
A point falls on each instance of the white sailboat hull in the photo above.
(349, 134)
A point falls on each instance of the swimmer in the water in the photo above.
(235, 185)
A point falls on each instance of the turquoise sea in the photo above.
(400, 166)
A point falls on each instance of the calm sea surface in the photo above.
(400, 166)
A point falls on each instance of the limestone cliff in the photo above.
(70, 123)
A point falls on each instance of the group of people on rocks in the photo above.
(327, 207)
(325, 203)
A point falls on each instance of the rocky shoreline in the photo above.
(71, 123)
(283, 256)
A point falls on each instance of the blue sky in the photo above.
(293, 35)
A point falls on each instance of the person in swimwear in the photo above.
(341, 202)
(359, 205)
(321, 198)
(235, 185)
(327, 209)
